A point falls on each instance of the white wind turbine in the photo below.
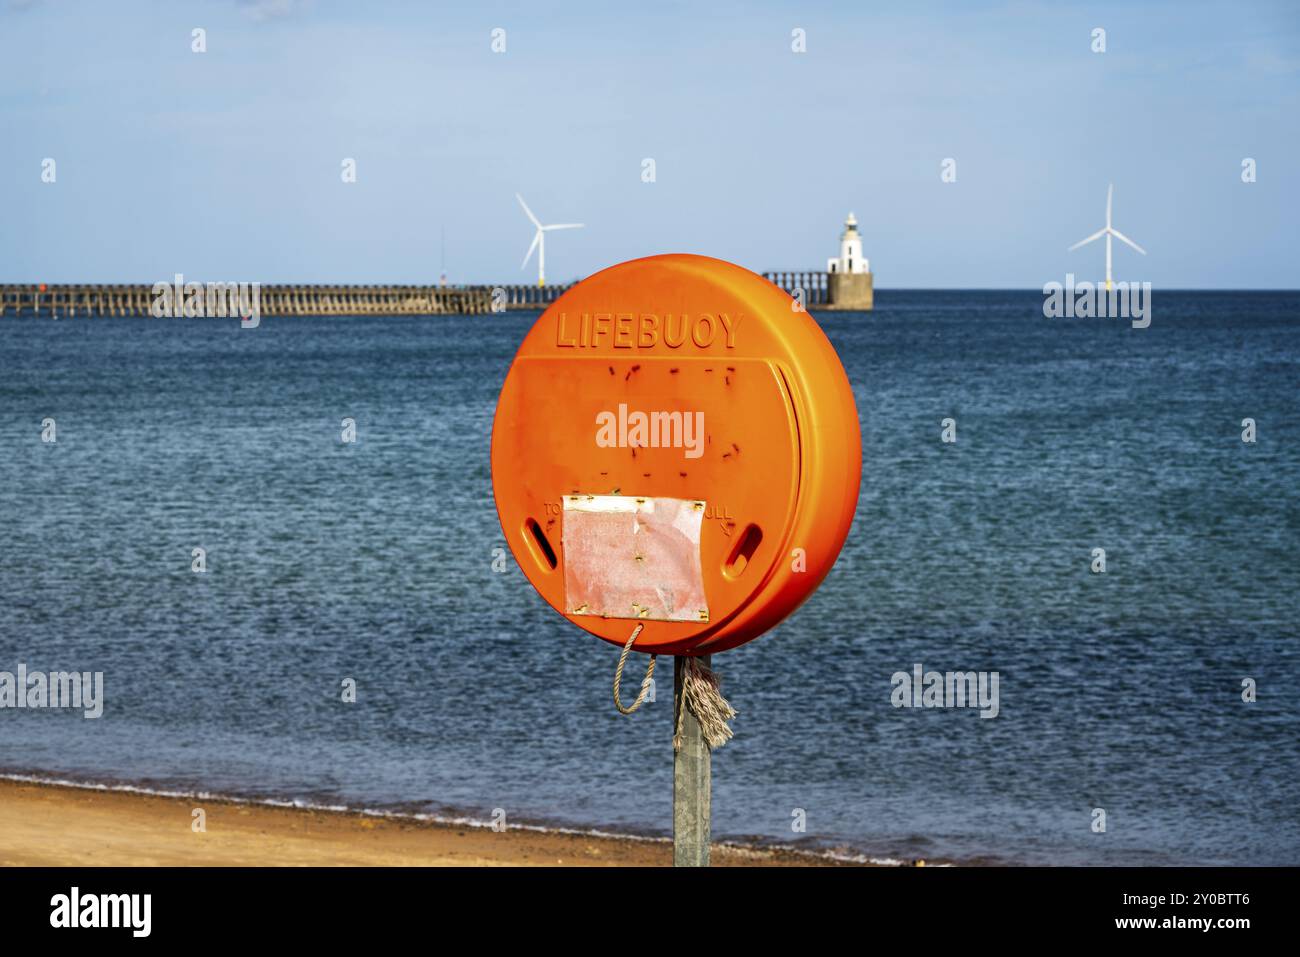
(539, 241)
(1108, 231)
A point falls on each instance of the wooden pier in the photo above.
(90, 300)
(829, 291)
(816, 289)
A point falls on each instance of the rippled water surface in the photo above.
(373, 561)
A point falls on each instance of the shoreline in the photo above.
(48, 823)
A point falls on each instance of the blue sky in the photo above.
(226, 164)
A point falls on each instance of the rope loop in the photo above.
(645, 682)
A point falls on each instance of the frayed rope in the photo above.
(700, 693)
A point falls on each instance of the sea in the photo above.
(1147, 714)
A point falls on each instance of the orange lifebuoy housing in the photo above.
(695, 385)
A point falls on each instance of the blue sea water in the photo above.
(373, 561)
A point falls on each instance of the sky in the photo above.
(228, 164)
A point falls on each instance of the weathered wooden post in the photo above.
(692, 780)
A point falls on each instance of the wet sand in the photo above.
(54, 825)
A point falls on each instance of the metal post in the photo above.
(691, 782)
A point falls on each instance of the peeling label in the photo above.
(633, 557)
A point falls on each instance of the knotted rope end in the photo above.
(702, 695)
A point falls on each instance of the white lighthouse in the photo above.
(850, 259)
(849, 283)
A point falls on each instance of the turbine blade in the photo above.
(537, 238)
(1124, 239)
(528, 211)
(1083, 242)
(565, 226)
(1110, 192)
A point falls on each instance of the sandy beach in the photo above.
(54, 825)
